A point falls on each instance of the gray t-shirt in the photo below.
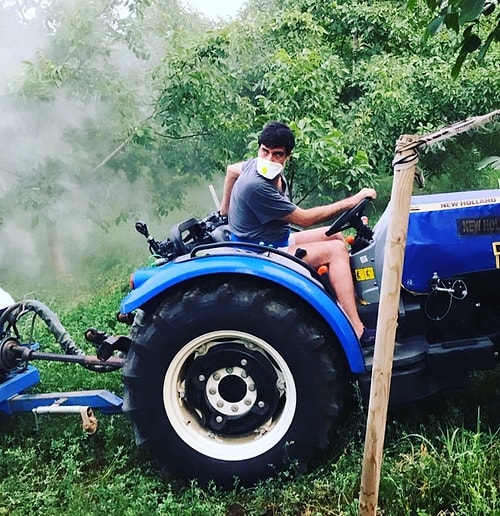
(257, 207)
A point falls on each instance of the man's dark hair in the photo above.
(276, 134)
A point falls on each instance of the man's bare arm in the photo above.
(318, 214)
(232, 173)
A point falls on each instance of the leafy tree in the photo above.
(349, 76)
(82, 104)
(478, 22)
(276, 70)
(145, 93)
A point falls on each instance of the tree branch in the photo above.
(184, 137)
(114, 153)
(119, 148)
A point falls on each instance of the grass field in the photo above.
(441, 457)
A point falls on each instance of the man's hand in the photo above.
(364, 192)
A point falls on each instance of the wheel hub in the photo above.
(233, 388)
(231, 391)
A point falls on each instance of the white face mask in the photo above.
(268, 169)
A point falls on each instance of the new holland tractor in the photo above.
(239, 357)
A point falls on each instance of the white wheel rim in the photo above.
(186, 422)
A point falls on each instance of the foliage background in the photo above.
(116, 110)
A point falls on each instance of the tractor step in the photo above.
(421, 370)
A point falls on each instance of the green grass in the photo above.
(441, 457)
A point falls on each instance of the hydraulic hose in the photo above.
(14, 312)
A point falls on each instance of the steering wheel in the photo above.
(350, 218)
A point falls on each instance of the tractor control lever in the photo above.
(142, 228)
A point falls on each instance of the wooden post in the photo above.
(404, 171)
(405, 163)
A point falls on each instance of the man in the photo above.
(259, 210)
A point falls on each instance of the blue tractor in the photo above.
(239, 360)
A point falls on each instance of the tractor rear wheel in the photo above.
(232, 378)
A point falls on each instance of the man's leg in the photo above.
(332, 253)
(315, 235)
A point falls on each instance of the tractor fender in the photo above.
(154, 282)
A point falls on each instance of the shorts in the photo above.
(291, 241)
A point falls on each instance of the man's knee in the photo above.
(337, 249)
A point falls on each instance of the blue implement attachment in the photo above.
(12, 400)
